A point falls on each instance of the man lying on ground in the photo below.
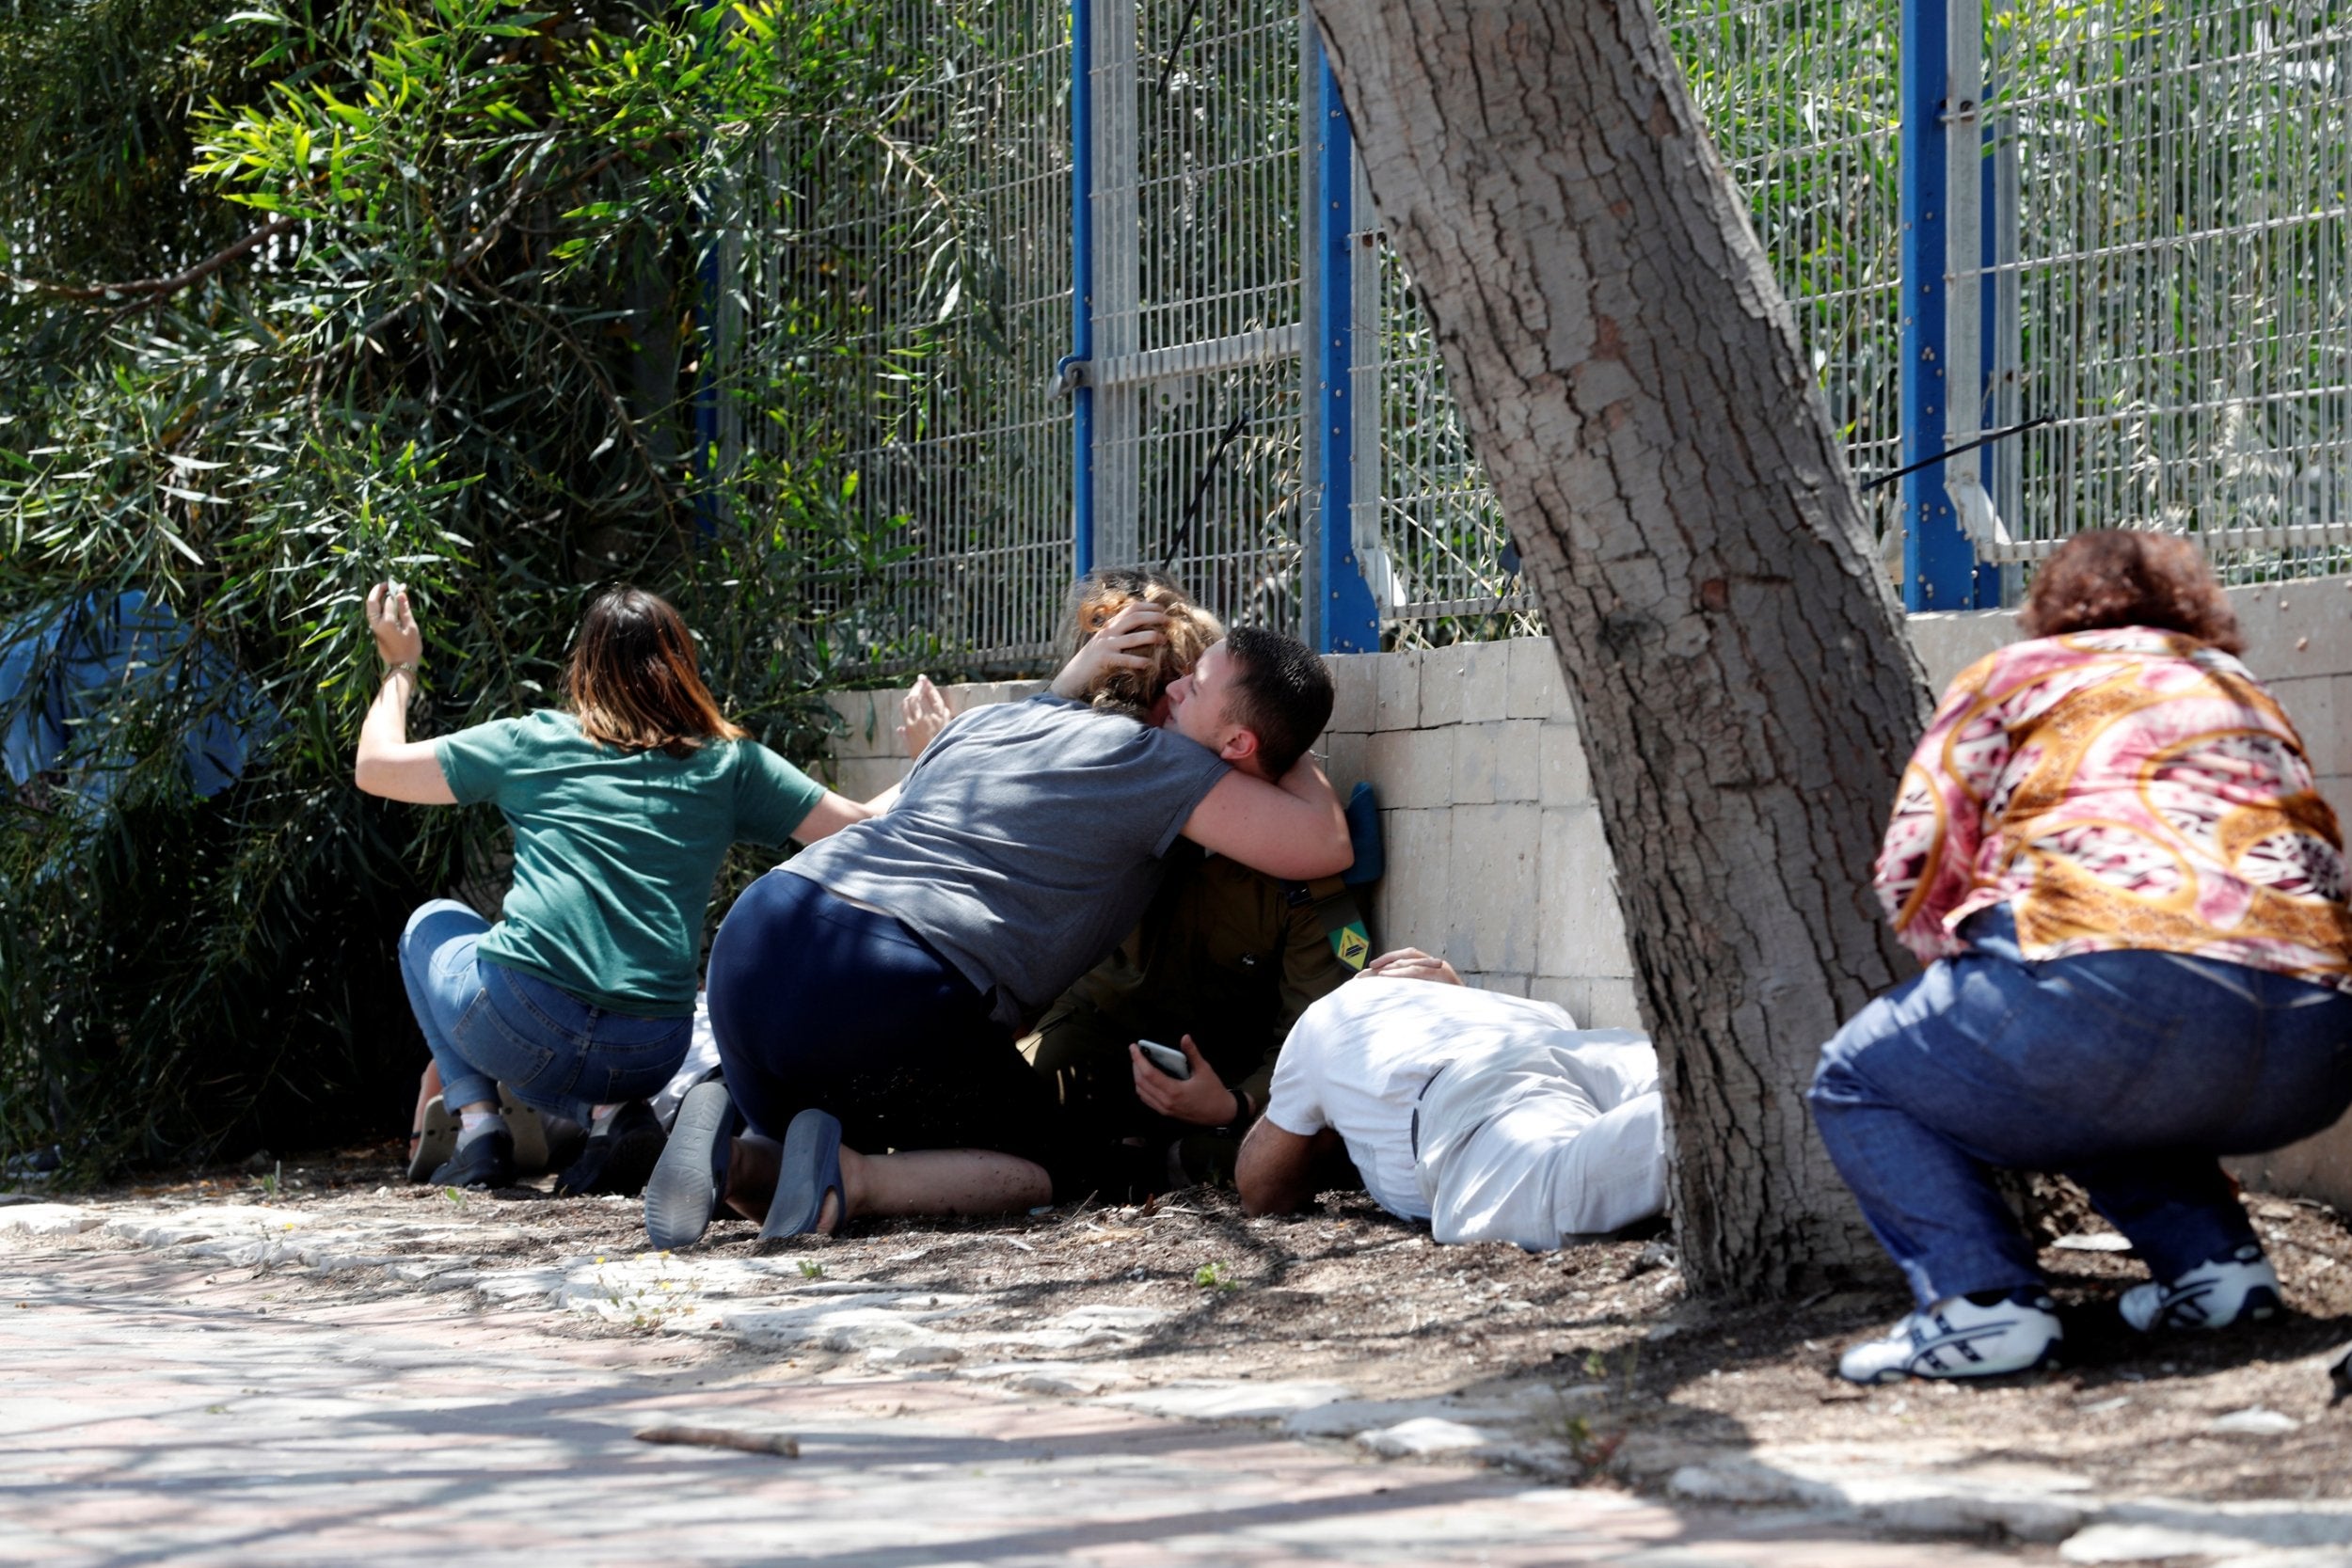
(1492, 1116)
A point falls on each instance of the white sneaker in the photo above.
(2214, 1294)
(1955, 1337)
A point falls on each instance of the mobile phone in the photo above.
(1174, 1063)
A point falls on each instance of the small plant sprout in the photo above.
(1574, 1428)
(1215, 1277)
(812, 1271)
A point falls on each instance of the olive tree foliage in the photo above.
(303, 296)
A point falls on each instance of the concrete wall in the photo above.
(1496, 858)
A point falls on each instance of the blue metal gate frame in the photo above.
(1940, 567)
(1339, 612)
(1341, 616)
(1081, 282)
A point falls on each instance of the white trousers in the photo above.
(1534, 1144)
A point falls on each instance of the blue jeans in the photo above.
(487, 1024)
(818, 1002)
(2130, 1071)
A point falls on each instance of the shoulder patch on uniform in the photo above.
(1353, 944)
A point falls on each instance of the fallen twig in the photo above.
(720, 1437)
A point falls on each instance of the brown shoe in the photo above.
(752, 1163)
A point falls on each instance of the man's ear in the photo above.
(1240, 747)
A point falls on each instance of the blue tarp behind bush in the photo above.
(67, 675)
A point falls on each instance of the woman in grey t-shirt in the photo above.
(879, 982)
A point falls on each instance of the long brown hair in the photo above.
(632, 681)
(1102, 594)
(2117, 577)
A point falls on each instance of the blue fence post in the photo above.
(1081, 281)
(1349, 622)
(1939, 563)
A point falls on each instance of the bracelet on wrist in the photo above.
(397, 665)
(1245, 1112)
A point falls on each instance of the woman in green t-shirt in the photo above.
(622, 803)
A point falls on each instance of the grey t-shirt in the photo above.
(1025, 844)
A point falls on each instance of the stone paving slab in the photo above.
(151, 1412)
(694, 1304)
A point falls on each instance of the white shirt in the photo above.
(1358, 1060)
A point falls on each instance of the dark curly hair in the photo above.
(2117, 577)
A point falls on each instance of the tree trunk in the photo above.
(1630, 375)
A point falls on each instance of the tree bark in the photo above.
(1630, 376)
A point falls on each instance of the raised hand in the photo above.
(923, 712)
(1137, 625)
(394, 624)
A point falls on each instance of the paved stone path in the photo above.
(159, 1408)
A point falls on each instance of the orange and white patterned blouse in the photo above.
(2127, 788)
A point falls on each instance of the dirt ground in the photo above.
(1345, 1292)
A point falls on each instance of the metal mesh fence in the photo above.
(1443, 576)
(2170, 189)
(1198, 435)
(904, 301)
(2180, 177)
(1801, 97)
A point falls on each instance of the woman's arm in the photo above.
(1293, 830)
(923, 713)
(389, 763)
(832, 813)
(1927, 861)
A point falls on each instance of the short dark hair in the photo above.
(1281, 694)
(2120, 578)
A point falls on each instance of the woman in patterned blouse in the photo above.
(2131, 899)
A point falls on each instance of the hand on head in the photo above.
(394, 624)
(923, 712)
(1117, 646)
(1410, 963)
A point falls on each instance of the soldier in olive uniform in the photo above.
(1224, 962)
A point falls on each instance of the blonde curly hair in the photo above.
(1102, 594)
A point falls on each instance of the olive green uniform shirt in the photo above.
(1225, 954)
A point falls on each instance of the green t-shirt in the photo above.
(616, 851)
